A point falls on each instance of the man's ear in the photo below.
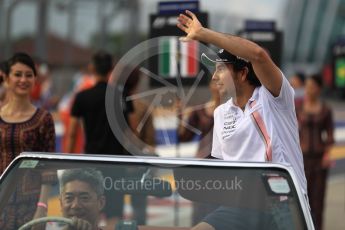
(244, 74)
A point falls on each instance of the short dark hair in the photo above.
(22, 58)
(317, 78)
(300, 76)
(102, 62)
(90, 176)
(251, 77)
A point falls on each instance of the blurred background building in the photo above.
(65, 32)
(96, 23)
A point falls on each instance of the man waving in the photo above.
(258, 122)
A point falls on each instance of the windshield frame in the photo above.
(169, 162)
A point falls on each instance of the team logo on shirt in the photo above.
(229, 125)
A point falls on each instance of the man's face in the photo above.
(78, 199)
(224, 79)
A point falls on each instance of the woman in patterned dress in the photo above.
(23, 127)
(316, 138)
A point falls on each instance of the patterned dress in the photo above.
(36, 134)
(316, 136)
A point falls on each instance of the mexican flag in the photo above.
(171, 51)
(340, 73)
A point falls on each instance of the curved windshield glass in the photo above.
(137, 195)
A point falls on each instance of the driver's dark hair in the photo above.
(88, 175)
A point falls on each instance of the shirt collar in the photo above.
(230, 106)
(254, 97)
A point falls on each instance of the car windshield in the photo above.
(156, 194)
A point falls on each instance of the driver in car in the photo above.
(81, 198)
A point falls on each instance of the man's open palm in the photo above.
(189, 24)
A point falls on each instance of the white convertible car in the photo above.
(165, 194)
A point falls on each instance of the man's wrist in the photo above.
(199, 35)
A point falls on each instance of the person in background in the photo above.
(316, 138)
(82, 80)
(23, 127)
(89, 107)
(258, 123)
(297, 82)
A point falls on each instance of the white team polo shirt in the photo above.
(236, 136)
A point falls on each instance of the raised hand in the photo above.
(190, 25)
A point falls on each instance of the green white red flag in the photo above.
(171, 51)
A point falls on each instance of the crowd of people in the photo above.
(249, 93)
